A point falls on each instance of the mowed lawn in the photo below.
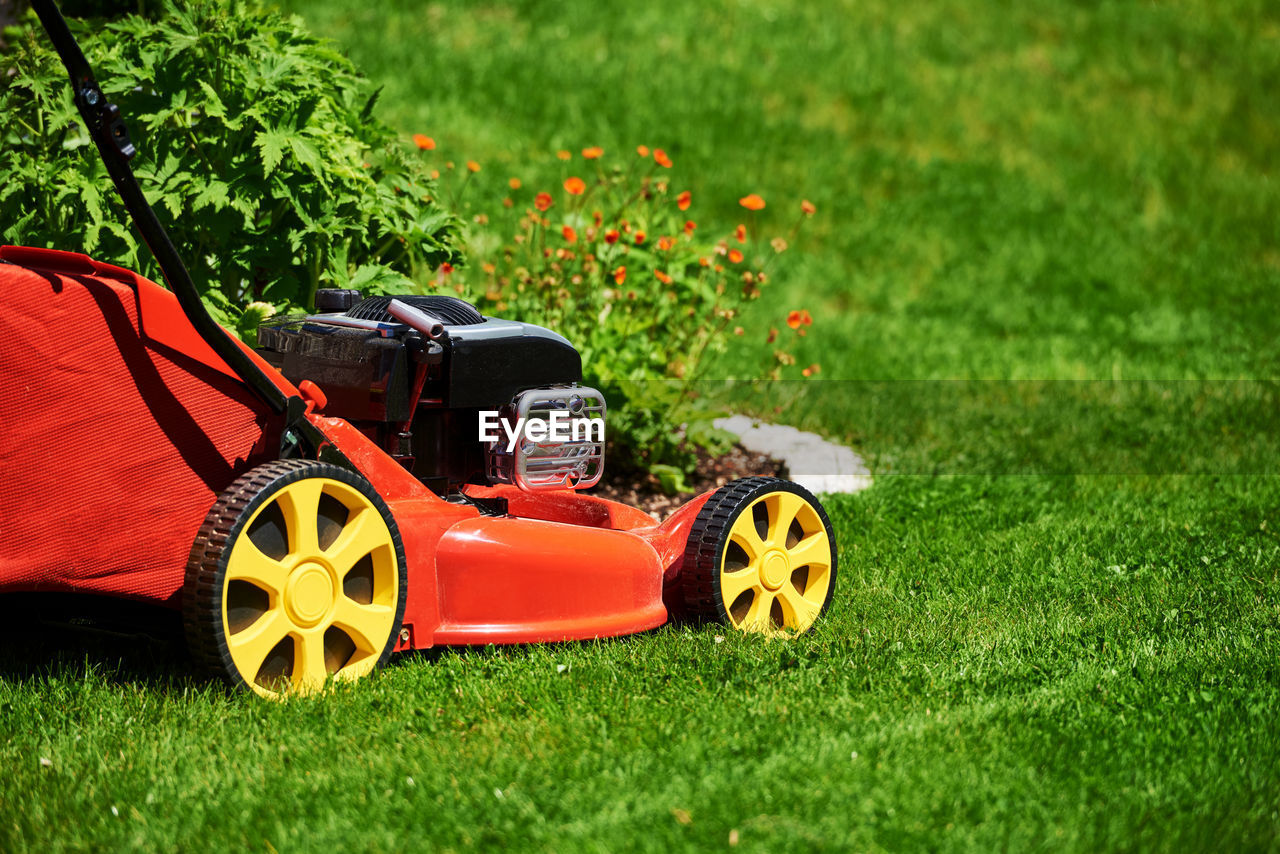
(1057, 624)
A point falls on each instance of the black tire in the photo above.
(794, 577)
(255, 524)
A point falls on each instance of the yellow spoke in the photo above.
(819, 580)
(757, 617)
(309, 670)
(813, 550)
(797, 611)
(744, 534)
(250, 647)
(734, 584)
(247, 563)
(783, 507)
(300, 504)
(363, 533)
(368, 626)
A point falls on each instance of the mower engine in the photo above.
(421, 375)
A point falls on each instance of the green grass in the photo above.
(1010, 662)
(1045, 634)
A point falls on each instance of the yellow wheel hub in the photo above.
(308, 594)
(311, 588)
(776, 569)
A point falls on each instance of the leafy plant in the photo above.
(612, 259)
(258, 147)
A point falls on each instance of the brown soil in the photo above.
(646, 493)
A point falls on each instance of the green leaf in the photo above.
(212, 104)
(366, 113)
(670, 478)
(214, 194)
(307, 154)
(377, 279)
(271, 144)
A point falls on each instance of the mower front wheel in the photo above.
(297, 576)
(761, 557)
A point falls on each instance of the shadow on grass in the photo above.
(48, 639)
(61, 637)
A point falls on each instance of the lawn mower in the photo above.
(320, 502)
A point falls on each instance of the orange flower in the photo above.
(738, 330)
(690, 226)
(808, 208)
(684, 200)
(778, 244)
(542, 201)
(773, 336)
(741, 233)
(488, 267)
(575, 186)
(593, 152)
(704, 261)
(662, 277)
(620, 275)
(812, 369)
(563, 155)
(514, 183)
(735, 257)
(642, 150)
(446, 268)
(424, 142)
(639, 237)
(796, 319)
(570, 236)
(473, 166)
(611, 236)
(661, 158)
(665, 243)
(752, 202)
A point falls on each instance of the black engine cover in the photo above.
(418, 398)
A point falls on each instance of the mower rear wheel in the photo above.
(297, 576)
(761, 557)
